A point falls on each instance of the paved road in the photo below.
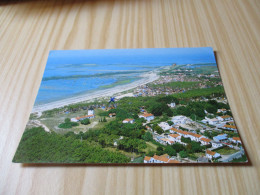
(228, 158)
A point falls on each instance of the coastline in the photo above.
(147, 78)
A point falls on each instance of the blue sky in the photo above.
(133, 56)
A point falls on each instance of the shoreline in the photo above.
(147, 78)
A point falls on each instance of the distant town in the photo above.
(182, 117)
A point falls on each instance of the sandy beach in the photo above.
(146, 78)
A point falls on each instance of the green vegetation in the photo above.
(38, 146)
(242, 159)
(206, 92)
(225, 151)
(176, 85)
(68, 124)
(85, 121)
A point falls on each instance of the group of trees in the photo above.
(197, 109)
(68, 124)
(38, 146)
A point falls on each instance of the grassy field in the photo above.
(226, 151)
(128, 154)
(150, 147)
(53, 122)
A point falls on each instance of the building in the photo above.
(224, 118)
(129, 120)
(80, 118)
(160, 159)
(180, 132)
(91, 112)
(223, 110)
(147, 116)
(216, 144)
(211, 121)
(230, 127)
(205, 141)
(195, 137)
(112, 115)
(174, 137)
(212, 155)
(172, 105)
(236, 140)
(165, 126)
(177, 120)
(147, 159)
(220, 138)
(165, 141)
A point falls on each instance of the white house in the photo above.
(172, 105)
(91, 112)
(165, 126)
(230, 127)
(174, 137)
(165, 141)
(223, 110)
(211, 155)
(220, 138)
(236, 140)
(211, 121)
(224, 118)
(205, 141)
(180, 132)
(159, 159)
(216, 144)
(129, 120)
(195, 137)
(147, 116)
(112, 115)
(177, 120)
(80, 118)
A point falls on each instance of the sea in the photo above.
(69, 80)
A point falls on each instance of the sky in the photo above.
(133, 56)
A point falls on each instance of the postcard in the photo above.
(154, 106)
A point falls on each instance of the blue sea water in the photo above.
(65, 81)
(70, 73)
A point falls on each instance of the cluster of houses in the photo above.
(147, 116)
(221, 122)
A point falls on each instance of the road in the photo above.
(228, 158)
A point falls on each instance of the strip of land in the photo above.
(146, 78)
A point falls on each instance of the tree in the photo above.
(170, 151)
(147, 136)
(67, 120)
(158, 129)
(183, 154)
(85, 121)
(150, 153)
(170, 123)
(185, 140)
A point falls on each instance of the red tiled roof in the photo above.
(236, 138)
(147, 158)
(147, 115)
(226, 116)
(174, 161)
(80, 117)
(210, 152)
(174, 135)
(128, 119)
(205, 139)
(230, 126)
